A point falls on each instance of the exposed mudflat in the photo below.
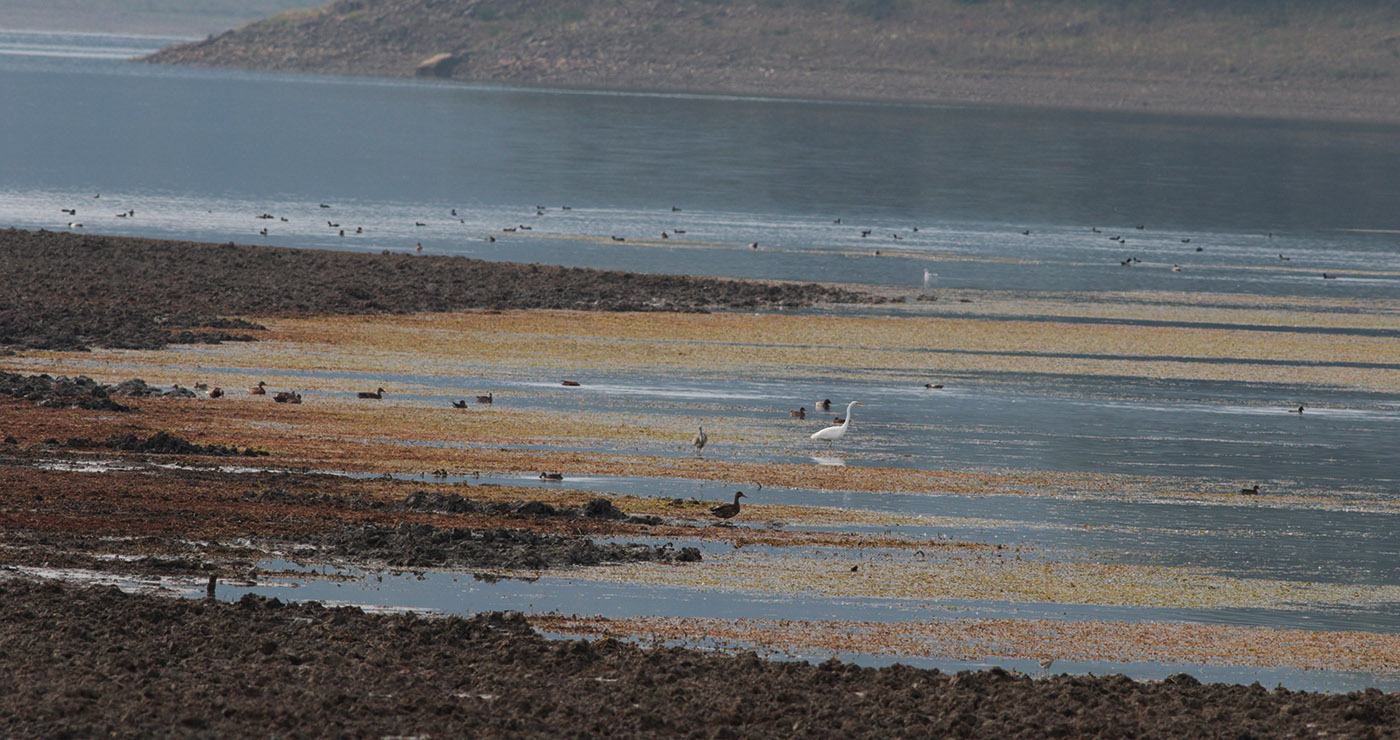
(83, 662)
(72, 291)
(96, 662)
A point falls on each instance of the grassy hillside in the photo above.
(908, 49)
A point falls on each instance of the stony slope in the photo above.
(1293, 58)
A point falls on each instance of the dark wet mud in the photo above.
(96, 662)
(424, 546)
(73, 291)
(80, 391)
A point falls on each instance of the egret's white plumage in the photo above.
(831, 434)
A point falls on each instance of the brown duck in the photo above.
(728, 511)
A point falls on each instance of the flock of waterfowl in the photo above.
(540, 210)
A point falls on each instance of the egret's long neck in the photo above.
(849, 406)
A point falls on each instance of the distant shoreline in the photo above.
(1123, 95)
(1356, 103)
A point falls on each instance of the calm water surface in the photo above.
(199, 154)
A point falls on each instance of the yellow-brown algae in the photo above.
(352, 435)
(474, 345)
(406, 433)
(1001, 575)
(977, 639)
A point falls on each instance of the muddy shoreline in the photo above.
(125, 284)
(88, 662)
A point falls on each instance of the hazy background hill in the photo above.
(1338, 59)
(1126, 53)
(178, 17)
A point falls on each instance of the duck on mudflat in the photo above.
(728, 511)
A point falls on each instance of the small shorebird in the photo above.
(259, 390)
(1045, 664)
(728, 511)
(372, 394)
(699, 440)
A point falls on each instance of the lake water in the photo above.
(200, 154)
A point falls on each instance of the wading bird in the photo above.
(831, 434)
(700, 439)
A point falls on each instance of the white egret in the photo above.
(831, 434)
